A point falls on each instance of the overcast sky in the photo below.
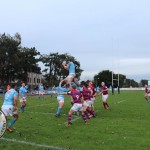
(100, 34)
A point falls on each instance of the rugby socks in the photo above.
(69, 119)
(93, 113)
(84, 118)
(12, 122)
(58, 111)
(22, 108)
(87, 114)
(104, 104)
(107, 105)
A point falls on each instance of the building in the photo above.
(34, 79)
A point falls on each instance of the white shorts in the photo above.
(60, 99)
(93, 99)
(70, 77)
(9, 110)
(87, 103)
(41, 92)
(23, 99)
(76, 107)
(104, 97)
(147, 95)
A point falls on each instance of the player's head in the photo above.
(146, 85)
(22, 84)
(13, 86)
(91, 84)
(73, 86)
(85, 85)
(103, 83)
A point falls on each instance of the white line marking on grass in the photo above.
(40, 113)
(121, 101)
(73, 120)
(32, 143)
(37, 105)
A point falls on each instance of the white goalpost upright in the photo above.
(113, 53)
(148, 83)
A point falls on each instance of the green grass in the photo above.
(125, 126)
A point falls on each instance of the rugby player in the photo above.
(41, 91)
(93, 97)
(147, 93)
(23, 94)
(87, 104)
(60, 97)
(77, 104)
(10, 106)
(104, 93)
(70, 66)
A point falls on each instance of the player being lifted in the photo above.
(70, 66)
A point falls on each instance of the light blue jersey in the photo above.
(98, 89)
(71, 67)
(23, 91)
(41, 88)
(60, 90)
(9, 97)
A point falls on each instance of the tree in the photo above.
(103, 76)
(143, 82)
(27, 63)
(16, 61)
(106, 76)
(9, 49)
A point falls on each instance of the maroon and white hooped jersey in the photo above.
(76, 96)
(93, 91)
(104, 90)
(86, 94)
(147, 90)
